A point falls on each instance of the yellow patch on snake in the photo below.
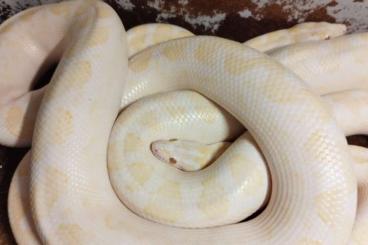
(113, 223)
(170, 190)
(137, 42)
(173, 53)
(204, 53)
(63, 126)
(308, 241)
(141, 172)
(13, 120)
(60, 9)
(99, 37)
(53, 173)
(210, 118)
(104, 12)
(314, 139)
(143, 65)
(110, 222)
(239, 166)
(150, 121)
(235, 65)
(324, 112)
(28, 14)
(132, 142)
(324, 201)
(278, 92)
(202, 159)
(177, 112)
(70, 232)
(162, 33)
(78, 79)
(212, 201)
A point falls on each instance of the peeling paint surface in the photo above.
(235, 19)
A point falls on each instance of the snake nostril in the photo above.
(172, 160)
(44, 77)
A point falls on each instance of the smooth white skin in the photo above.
(304, 32)
(73, 232)
(147, 35)
(329, 66)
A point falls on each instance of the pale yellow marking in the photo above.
(141, 172)
(104, 12)
(324, 201)
(162, 33)
(240, 165)
(212, 201)
(70, 232)
(144, 62)
(177, 112)
(60, 9)
(26, 16)
(170, 190)
(113, 224)
(174, 53)
(100, 36)
(110, 222)
(149, 121)
(325, 115)
(236, 168)
(236, 65)
(314, 139)
(81, 25)
(203, 158)
(63, 126)
(77, 79)
(308, 241)
(13, 120)
(204, 53)
(273, 93)
(53, 173)
(137, 42)
(132, 142)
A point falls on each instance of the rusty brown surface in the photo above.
(233, 26)
(240, 20)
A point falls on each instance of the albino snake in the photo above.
(64, 182)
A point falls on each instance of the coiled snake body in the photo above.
(64, 181)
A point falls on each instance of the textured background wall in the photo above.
(235, 19)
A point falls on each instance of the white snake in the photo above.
(313, 188)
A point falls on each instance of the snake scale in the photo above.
(91, 177)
